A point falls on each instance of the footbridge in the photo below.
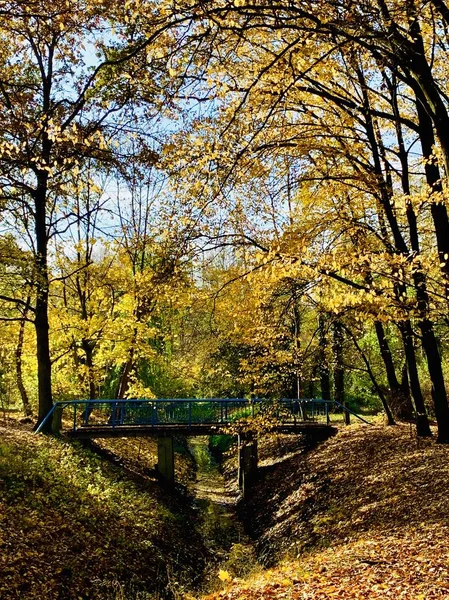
(164, 418)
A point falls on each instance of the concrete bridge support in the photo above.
(56, 422)
(166, 459)
(247, 461)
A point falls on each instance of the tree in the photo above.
(67, 85)
(274, 100)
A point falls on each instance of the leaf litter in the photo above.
(364, 515)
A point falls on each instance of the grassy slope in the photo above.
(74, 525)
(364, 515)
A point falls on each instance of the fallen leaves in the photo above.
(364, 516)
(74, 525)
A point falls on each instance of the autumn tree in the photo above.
(16, 296)
(323, 81)
(68, 80)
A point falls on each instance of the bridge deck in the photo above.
(91, 432)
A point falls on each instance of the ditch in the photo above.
(222, 533)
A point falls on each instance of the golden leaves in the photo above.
(224, 575)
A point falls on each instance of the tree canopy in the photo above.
(227, 198)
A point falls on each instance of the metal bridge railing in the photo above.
(114, 413)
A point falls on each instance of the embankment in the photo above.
(364, 515)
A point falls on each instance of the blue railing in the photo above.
(188, 411)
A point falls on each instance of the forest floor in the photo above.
(92, 522)
(364, 515)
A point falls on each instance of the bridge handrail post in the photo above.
(190, 414)
(47, 416)
(113, 413)
(74, 416)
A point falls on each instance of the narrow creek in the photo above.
(222, 532)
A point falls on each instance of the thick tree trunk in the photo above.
(432, 113)
(422, 81)
(433, 356)
(422, 421)
(438, 209)
(41, 322)
(43, 355)
(419, 280)
(439, 395)
(441, 225)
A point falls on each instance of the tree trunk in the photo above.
(433, 356)
(41, 323)
(422, 81)
(400, 401)
(431, 112)
(89, 351)
(339, 373)
(422, 421)
(390, 418)
(405, 386)
(124, 378)
(311, 383)
(439, 395)
(19, 376)
(323, 364)
(418, 277)
(297, 343)
(438, 209)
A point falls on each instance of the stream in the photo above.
(222, 532)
